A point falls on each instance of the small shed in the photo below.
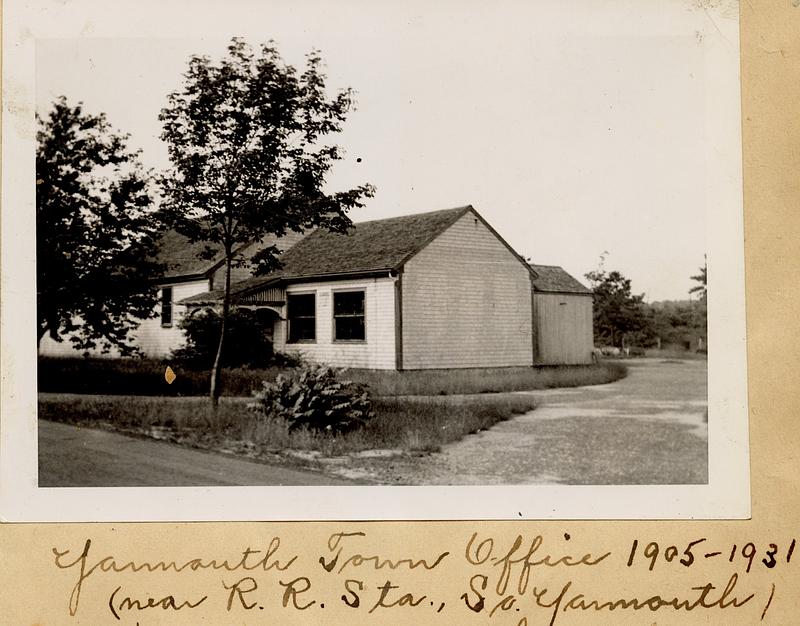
(563, 312)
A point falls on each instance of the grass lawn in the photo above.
(421, 425)
(412, 413)
(486, 380)
(138, 377)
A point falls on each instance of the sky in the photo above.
(574, 130)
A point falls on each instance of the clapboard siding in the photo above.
(564, 328)
(378, 352)
(158, 341)
(466, 302)
(150, 337)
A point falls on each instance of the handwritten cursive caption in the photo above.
(478, 578)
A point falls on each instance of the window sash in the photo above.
(301, 317)
(349, 320)
(166, 306)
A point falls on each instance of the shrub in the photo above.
(313, 397)
(247, 340)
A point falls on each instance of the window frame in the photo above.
(334, 292)
(170, 302)
(289, 295)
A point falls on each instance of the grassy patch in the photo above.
(486, 380)
(146, 378)
(142, 377)
(421, 425)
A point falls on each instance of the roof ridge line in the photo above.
(407, 215)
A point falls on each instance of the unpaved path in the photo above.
(70, 456)
(648, 428)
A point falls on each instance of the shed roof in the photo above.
(553, 278)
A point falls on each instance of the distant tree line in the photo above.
(623, 319)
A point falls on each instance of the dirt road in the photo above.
(648, 428)
(84, 457)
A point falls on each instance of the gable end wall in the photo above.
(466, 302)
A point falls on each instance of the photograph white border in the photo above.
(727, 494)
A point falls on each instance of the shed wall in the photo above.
(466, 302)
(564, 328)
(377, 352)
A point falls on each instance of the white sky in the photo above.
(573, 129)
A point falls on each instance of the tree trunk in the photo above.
(226, 304)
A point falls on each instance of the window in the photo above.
(302, 317)
(348, 316)
(166, 306)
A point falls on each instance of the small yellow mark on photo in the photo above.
(169, 375)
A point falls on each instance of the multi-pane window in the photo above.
(348, 316)
(166, 306)
(302, 317)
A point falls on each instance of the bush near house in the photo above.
(313, 397)
(247, 341)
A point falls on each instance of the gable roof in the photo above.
(371, 247)
(552, 278)
(180, 258)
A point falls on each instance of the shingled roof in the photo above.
(553, 278)
(182, 259)
(369, 247)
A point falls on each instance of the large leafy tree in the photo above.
(95, 232)
(618, 313)
(248, 144)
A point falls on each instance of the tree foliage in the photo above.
(701, 288)
(619, 315)
(247, 139)
(95, 232)
(676, 323)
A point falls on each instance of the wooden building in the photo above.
(431, 290)
(562, 308)
(425, 291)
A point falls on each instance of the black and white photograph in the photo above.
(463, 260)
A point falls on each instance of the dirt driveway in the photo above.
(648, 428)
